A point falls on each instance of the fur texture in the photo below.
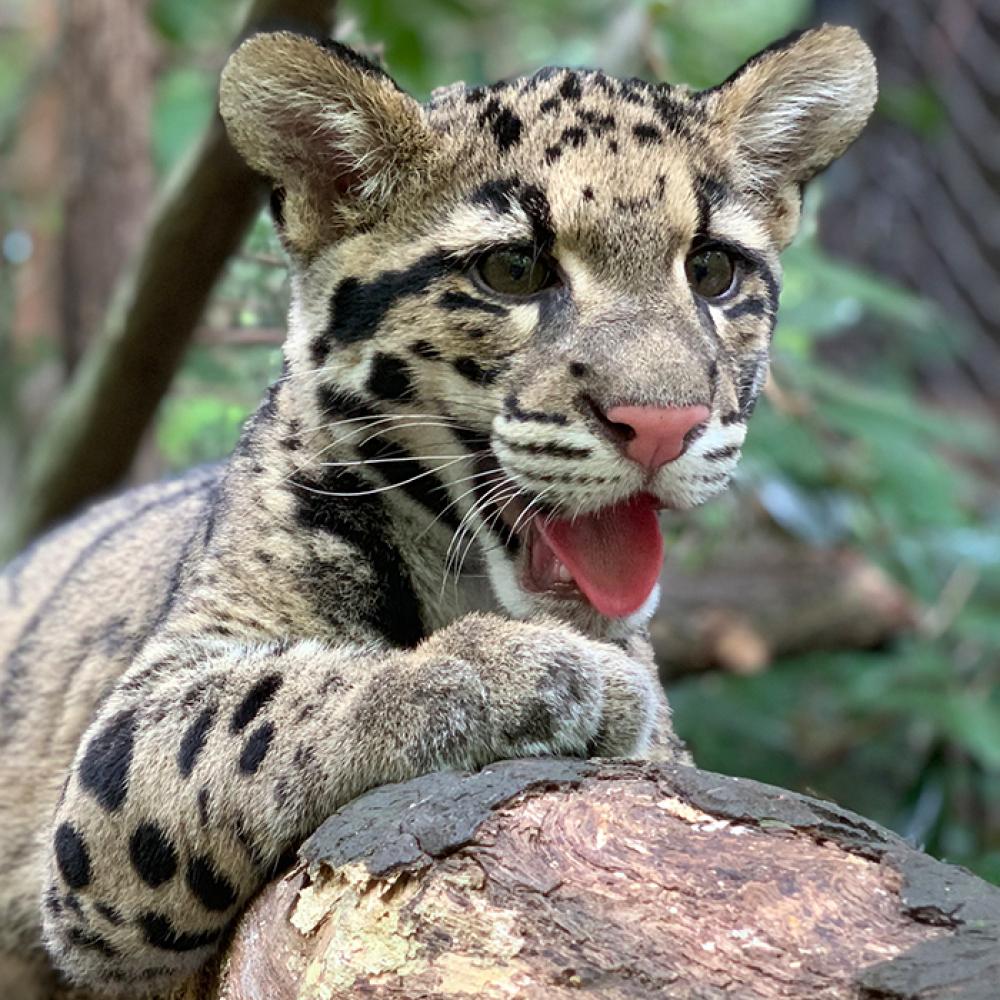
(195, 674)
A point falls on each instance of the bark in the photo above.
(552, 878)
(93, 434)
(108, 84)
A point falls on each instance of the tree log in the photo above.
(743, 607)
(551, 878)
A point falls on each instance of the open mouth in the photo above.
(610, 558)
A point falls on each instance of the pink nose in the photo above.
(658, 432)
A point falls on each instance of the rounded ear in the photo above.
(792, 109)
(327, 126)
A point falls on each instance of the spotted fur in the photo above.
(195, 674)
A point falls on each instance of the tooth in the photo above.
(563, 574)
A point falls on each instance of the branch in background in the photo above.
(92, 436)
(741, 609)
(107, 83)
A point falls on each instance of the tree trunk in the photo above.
(552, 878)
(108, 82)
(92, 436)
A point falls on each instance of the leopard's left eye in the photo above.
(515, 271)
(712, 271)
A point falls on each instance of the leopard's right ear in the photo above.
(326, 125)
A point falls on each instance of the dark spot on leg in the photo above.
(550, 104)
(72, 857)
(552, 153)
(254, 701)
(193, 740)
(203, 801)
(576, 137)
(105, 765)
(152, 855)
(110, 913)
(577, 369)
(212, 890)
(588, 193)
(256, 747)
(160, 933)
(91, 942)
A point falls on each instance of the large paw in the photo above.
(552, 691)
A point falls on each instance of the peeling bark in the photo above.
(550, 878)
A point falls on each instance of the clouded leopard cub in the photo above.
(525, 318)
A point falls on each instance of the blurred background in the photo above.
(832, 625)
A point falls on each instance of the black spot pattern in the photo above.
(503, 123)
(212, 890)
(576, 137)
(748, 307)
(471, 369)
(110, 913)
(256, 747)
(415, 480)
(152, 855)
(358, 308)
(203, 803)
(389, 378)
(514, 412)
(647, 134)
(106, 762)
(426, 350)
(254, 701)
(497, 195)
(570, 88)
(90, 941)
(72, 856)
(160, 933)
(394, 609)
(193, 741)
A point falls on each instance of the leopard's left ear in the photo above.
(329, 127)
(792, 109)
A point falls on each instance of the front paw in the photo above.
(552, 691)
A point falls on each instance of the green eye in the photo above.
(515, 271)
(711, 271)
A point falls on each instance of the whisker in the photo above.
(381, 489)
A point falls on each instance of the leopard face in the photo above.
(550, 300)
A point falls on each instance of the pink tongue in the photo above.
(615, 556)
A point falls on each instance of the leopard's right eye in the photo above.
(711, 271)
(516, 271)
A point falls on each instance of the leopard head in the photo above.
(552, 298)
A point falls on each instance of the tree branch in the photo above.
(92, 436)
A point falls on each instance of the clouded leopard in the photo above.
(525, 318)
